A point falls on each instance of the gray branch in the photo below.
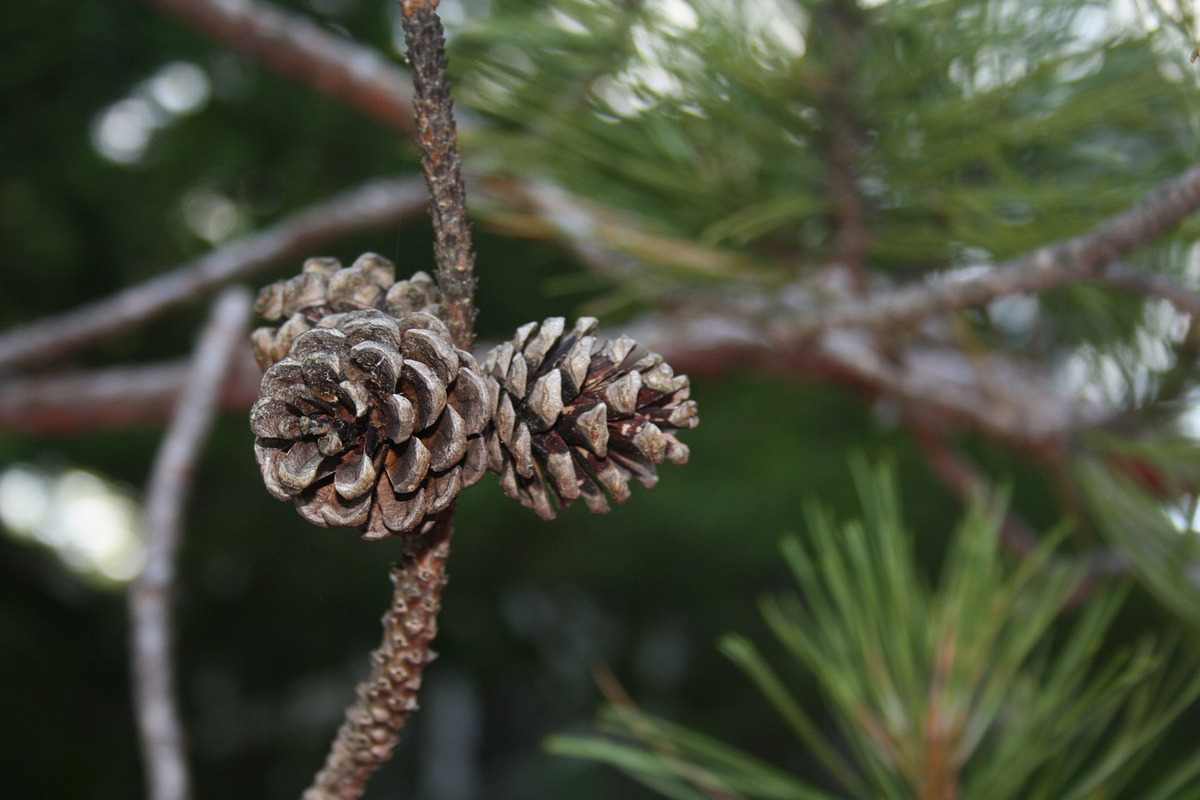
(1127, 278)
(993, 394)
(161, 733)
(375, 204)
(76, 401)
(1050, 267)
(437, 140)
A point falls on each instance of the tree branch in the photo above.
(161, 733)
(388, 696)
(1013, 402)
(77, 401)
(375, 204)
(841, 139)
(1049, 267)
(438, 143)
(1127, 278)
(958, 474)
(992, 394)
(296, 47)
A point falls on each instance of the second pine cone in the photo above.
(576, 417)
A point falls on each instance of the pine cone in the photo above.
(372, 422)
(574, 416)
(324, 287)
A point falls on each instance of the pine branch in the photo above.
(704, 783)
(77, 401)
(161, 732)
(992, 394)
(615, 246)
(374, 204)
(841, 18)
(958, 474)
(1128, 278)
(296, 47)
(374, 722)
(388, 696)
(438, 142)
(999, 397)
(606, 240)
(938, 692)
(1049, 267)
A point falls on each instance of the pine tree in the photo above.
(955, 236)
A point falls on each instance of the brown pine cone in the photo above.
(324, 287)
(372, 422)
(574, 416)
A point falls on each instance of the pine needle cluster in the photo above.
(984, 687)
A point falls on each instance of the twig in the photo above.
(607, 240)
(387, 698)
(840, 19)
(1017, 404)
(1130, 279)
(375, 204)
(437, 141)
(961, 477)
(389, 695)
(295, 46)
(1049, 267)
(958, 474)
(161, 733)
(116, 397)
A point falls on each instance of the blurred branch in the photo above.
(957, 473)
(1049, 267)
(437, 140)
(153, 677)
(605, 239)
(1126, 278)
(389, 695)
(116, 397)
(991, 393)
(299, 48)
(843, 25)
(375, 204)
(960, 476)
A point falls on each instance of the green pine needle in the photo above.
(977, 689)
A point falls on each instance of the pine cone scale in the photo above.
(300, 465)
(426, 393)
(355, 476)
(407, 467)
(545, 399)
(448, 444)
(431, 350)
(588, 429)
